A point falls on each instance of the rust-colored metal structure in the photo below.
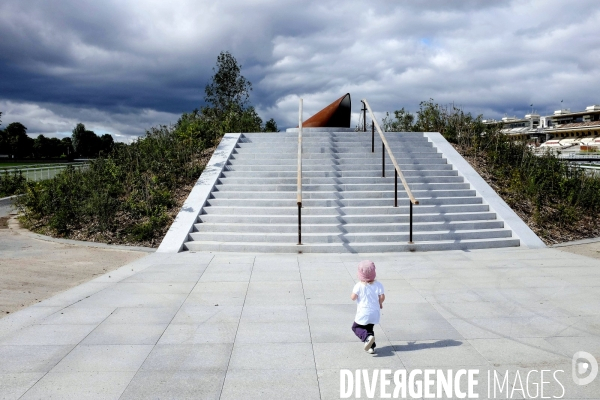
(335, 115)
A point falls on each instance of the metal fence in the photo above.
(39, 172)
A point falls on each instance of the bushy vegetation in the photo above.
(558, 201)
(132, 194)
(125, 197)
(11, 182)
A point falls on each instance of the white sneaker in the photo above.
(369, 342)
(371, 351)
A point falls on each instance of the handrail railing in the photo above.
(299, 184)
(398, 171)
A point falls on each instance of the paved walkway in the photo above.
(256, 326)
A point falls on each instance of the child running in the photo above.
(369, 297)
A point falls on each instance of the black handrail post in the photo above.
(382, 160)
(410, 241)
(299, 223)
(372, 137)
(396, 188)
(364, 110)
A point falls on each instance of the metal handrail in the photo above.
(299, 184)
(398, 171)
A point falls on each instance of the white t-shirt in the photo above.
(367, 303)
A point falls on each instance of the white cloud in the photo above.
(58, 121)
(124, 65)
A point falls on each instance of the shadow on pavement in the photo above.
(413, 346)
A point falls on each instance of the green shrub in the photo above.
(11, 183)
(125, 197)
(554, 193)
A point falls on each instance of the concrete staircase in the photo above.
(348, 206)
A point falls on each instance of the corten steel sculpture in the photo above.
(335, 115)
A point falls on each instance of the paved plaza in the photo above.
(265, 326)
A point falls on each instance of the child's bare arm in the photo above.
(381, 300)
(353, 296)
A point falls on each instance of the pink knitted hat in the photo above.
(366, 271)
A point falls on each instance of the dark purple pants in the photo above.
(363, 331)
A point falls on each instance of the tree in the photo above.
(228, 88)
(403, 121)
(17, 143)
(271, 126)
(3, 142)
(86, 143)
(106, 143)
(67, 148)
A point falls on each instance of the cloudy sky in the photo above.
(122, 66)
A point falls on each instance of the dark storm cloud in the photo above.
(123, 66)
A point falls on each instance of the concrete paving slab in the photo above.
(285, 293)
(275, 313)
(194, 314)
(24, 317)
(289, 338)
(319, 272)
(274, 332)
(125, 334)
(74, 295)
(208, 332)
(36, 358)
(227, 273)
(104, 358)
(526, 352)
(440, 353)
(420, 329)
(352, 356)
(218, 293)
(78, 316)
(49, 335)
(150, 288)
(125, 299)
(80, 385)
(262, 356)
(140, 315)
(188, 357)
(15, 385)
(271, 384)
(175, 385)
(275, 272)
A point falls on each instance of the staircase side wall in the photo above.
(187, 216)
(520, 229)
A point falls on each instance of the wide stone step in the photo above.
(337, 148)
(338, 181)
(382, 247)
(332, 155)
(292, 210)
(340, 187)
(347, 228)
(348, 163)
(369, 237)
(334, 195)
(337, 202)
(346, 219)
(333, 174)
(333, 135)
(389, 168)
